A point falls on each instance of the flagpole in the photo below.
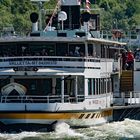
(88, 5)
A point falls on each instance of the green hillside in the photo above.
(122, 14)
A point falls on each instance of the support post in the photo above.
(62, 89)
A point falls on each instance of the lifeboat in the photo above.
(18, 88)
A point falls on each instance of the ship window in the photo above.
(76, 50)
(7, 50)
(80, 34)
(90, 50)
(101, 86)
(89, 87)
(80, 82)
(42, 49)
(62, 34)
(108, 90)
(93, 86)
(35, 34)
(58, 86)
(97, 52)
(62, 49)
(108, 85)
(104, 86)
(113, 53)
(47, 86)
(36, 86)
(69, 87)
(97, 86)
(4, 82)
(105, 51)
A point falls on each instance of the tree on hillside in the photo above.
(121, 14)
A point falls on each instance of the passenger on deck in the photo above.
(76, 52)
(44, 52)
(70, 53)
(124, 60)
(130, 60)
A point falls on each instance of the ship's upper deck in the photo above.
(60, 36)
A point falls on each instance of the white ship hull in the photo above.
(49, 120)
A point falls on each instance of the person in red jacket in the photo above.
(130, 60)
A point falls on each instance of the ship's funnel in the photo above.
(85, 16)
(70, 2)
(34, 18)
(72, 9)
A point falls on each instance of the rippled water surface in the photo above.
(125, 130)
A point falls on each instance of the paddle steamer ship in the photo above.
(60, 74)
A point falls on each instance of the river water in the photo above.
(125, 130)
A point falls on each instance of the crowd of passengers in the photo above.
(128, 58)
(44, 52)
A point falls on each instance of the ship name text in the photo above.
(32, 63)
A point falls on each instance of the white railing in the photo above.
(129, 98)
(41, 99)
(137, 65)
(45, 61)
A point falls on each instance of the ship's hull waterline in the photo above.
(35, 121)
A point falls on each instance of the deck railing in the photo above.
(127, 98)
(45, 61)
(41, 99)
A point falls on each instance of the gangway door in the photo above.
(126, 81)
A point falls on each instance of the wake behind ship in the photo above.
(61, 74)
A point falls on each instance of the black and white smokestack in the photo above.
(34, 19)
(72, 8)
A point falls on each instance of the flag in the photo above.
(79, 2)
(88, 5)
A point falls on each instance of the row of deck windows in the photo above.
(56, 49)
(52, 86)
(49, 86)
(99, 86)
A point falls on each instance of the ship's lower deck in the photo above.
(43, 101)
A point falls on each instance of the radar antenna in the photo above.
(62, 16)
